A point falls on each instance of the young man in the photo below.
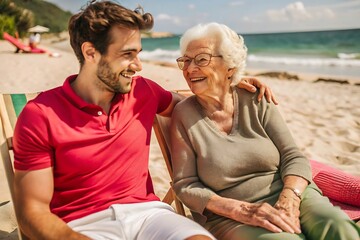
(82, 149)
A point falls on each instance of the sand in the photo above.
(324, 117)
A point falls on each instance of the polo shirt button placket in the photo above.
(102, 120)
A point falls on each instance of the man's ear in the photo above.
(89, 52)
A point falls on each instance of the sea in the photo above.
(319, 52)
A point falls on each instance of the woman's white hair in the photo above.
(231, 45)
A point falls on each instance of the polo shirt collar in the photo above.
(78, 101)
(70, 93)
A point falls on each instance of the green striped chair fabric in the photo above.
(11, 106)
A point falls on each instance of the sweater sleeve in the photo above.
(292, 161)
(187, 185)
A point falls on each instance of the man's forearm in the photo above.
(47, 226)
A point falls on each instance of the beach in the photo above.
(322, 111)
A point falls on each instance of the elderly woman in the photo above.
(236, 165)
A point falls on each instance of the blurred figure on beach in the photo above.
(34, 40)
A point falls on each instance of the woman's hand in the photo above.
(265, 216)
(251, 83)
(289, 205)
(289, 199)
(254, 214)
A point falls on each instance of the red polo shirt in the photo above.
(97, 159)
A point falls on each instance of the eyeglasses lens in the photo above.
(201, 60)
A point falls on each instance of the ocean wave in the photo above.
(349, 55)
(343, 62)
(160, 55)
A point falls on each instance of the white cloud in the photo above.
(325, 13)
(247, 19)
(349, 4)
(167, 18)
(163, 16)
(191, 6)
(294, 11)
(176, 21)
(277, 15)
(297, 12)
(236, 3)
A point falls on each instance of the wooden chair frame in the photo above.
(161, 129)
(8, 118)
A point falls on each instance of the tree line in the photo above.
(17, 16)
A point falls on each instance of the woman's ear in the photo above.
(230, 72)
(88, 51)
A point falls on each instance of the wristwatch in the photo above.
(295, 191)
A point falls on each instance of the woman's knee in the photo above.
(335, 229)
(329, 223)
(321, 220)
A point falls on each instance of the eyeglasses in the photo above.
(201, 60)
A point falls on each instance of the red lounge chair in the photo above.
(21, 46)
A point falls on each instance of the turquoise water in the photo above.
(326, 44)
(326, 52)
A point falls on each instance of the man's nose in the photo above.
(136, 64)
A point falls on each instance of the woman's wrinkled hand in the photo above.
(265, 216)
(251, 83)
(290, 206)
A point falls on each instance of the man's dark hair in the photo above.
(93, 23)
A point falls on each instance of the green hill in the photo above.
(46, 14)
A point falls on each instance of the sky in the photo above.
(247, 16)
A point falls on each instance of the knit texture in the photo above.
(341, 188)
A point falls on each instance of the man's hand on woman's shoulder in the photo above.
(251, 83)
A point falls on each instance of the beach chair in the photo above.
(10, 107)
(161, 129)
(21, 47)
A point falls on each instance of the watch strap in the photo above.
(294, 190)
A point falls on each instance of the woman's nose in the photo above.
(191, 66)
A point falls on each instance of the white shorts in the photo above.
(141, 221)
